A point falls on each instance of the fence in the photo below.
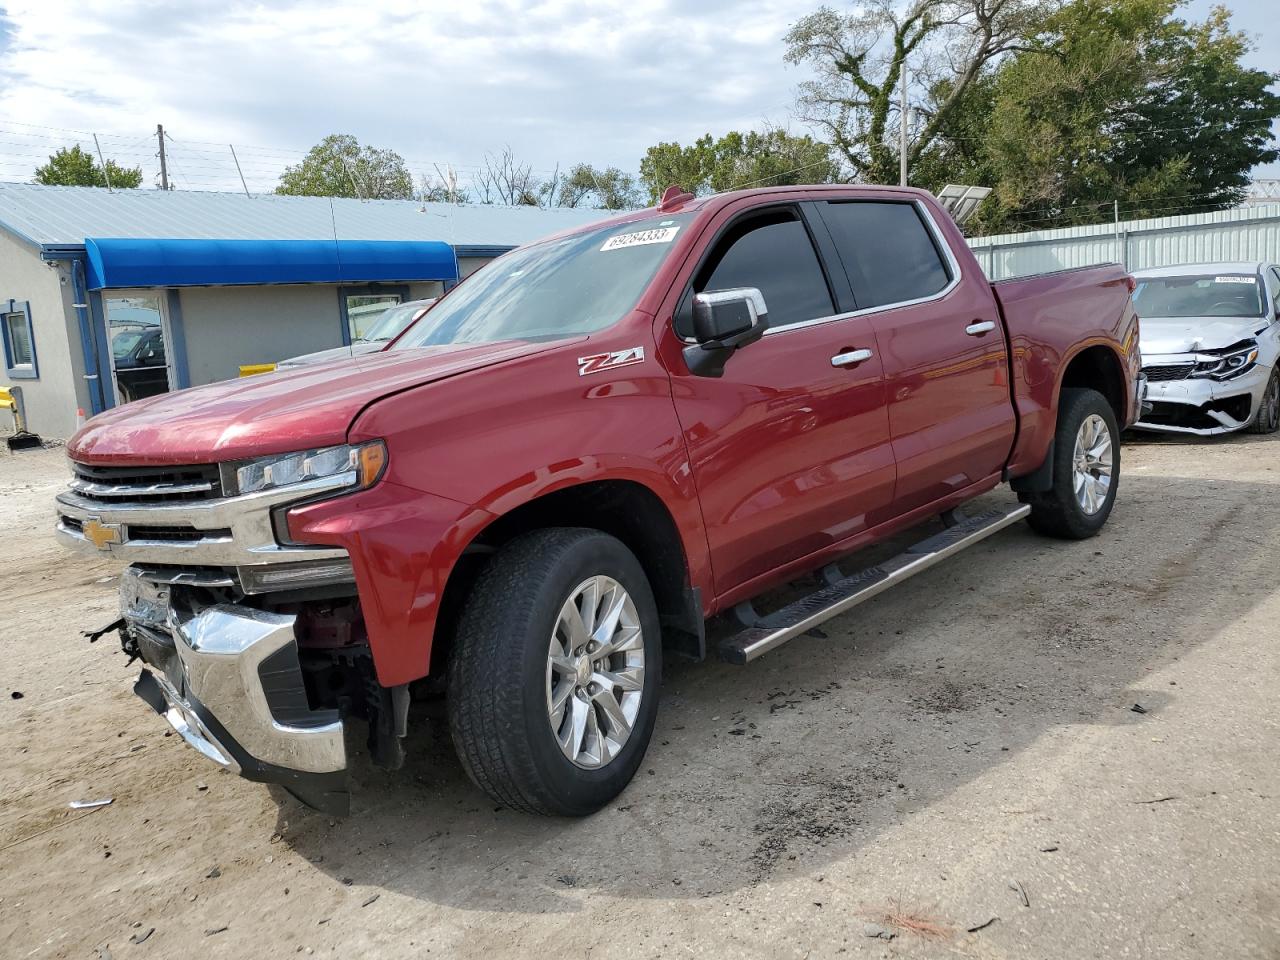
(1244, 233)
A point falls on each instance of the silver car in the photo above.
(393, 322)
(1210, 342)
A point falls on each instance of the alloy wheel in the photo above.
(1092, 464)
(595, 672)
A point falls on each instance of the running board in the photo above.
(842, 595)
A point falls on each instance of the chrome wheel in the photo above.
(595, 672)
(1092, 464)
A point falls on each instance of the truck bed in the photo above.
(1048, 318)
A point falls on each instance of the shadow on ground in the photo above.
(803, 757)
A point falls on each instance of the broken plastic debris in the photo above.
(89, 804)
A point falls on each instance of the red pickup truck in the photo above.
(575, 459)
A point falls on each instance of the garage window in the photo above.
(19, 343)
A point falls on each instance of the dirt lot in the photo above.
(946, 750)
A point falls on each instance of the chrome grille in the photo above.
(112, 485)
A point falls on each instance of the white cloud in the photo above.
(559, 81)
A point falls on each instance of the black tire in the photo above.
(1268, 418)
(498, 673)
(1056, 512)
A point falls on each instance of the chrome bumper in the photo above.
(232, 688)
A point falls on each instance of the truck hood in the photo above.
(298, 409)
(358, 349)
(1189, 334)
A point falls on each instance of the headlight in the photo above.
(1228, 365)
(357, 466)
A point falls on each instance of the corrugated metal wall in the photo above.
(1247, 233)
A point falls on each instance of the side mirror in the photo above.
(724, 321)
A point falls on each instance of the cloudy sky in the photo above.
(440, 82)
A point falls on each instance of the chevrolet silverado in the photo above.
(556, 476)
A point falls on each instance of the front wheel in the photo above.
(1268, 418)
(1086, 469)
(553, 682)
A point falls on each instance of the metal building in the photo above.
(98, 288)
(1244, 233)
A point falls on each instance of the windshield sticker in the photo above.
(1249, 280)
(624, 240)
(607, 361)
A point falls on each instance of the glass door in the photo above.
(138, 330)
(363, 311)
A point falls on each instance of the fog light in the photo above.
(294, 576)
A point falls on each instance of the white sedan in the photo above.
(1210, 338)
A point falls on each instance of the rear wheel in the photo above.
(1086, 469)
(1268, 418)
(554, 676)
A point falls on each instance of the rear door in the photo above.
(790, 452)
(944, 351)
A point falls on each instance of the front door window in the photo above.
(137, 331)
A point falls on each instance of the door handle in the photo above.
(851, 358)
(979, 328)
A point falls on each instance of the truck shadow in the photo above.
(807, 755)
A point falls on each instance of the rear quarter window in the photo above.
(890, 254)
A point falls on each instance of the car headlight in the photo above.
(1227, 365)
(356, 466)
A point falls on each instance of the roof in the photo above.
(1193, 269)
(186, 263)
(65, 216)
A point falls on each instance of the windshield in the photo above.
(555, 289)
(1208, 295)
(393, 321)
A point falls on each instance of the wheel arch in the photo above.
(623, 508)
(1097, 366)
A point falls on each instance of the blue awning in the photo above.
(192, 263)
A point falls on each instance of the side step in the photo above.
(807, 612)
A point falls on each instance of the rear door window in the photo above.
(774, 254)
(889, 253)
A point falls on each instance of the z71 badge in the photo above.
(607, 361)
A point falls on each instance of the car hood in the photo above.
(337, 353)
(1189, 334)
(306, 407)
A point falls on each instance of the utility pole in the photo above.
(902, 127)
(105, 171)
(164, 169)
(232, 148)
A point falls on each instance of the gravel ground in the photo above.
(957, 766)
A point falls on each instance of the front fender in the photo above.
(403, 545)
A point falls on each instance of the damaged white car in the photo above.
(1210, 341)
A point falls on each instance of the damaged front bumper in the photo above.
(229, 681)
(1199, 405)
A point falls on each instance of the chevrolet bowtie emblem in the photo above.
(100, 534)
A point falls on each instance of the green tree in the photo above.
(769, 158)
(339, 167)
(858, 59)
(74, 167)
(1115, 102)
(605, 188)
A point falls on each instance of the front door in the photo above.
(790, 452)
(138, 331)
(945, 358)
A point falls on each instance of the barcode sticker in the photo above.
(623, 240)
(1234, 280)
